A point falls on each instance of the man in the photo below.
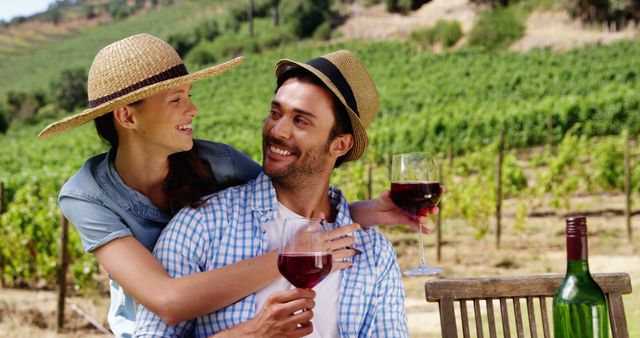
(317, 121)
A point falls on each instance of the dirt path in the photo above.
(29, 313)
(558, 31)
(375, 23)
(552, 29)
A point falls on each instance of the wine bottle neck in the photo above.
(577, 248)
(577, 267)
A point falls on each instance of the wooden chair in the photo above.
(447, 292)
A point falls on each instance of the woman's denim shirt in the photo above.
(102, 208)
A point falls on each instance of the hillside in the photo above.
(36, 51)
(375, 23)
(42, 62)
(64, 19)
(545, 28)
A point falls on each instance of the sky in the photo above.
(13, 8)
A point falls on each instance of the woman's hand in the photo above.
(382, 211)
(285, 314)
(340, 245)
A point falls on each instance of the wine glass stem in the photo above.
(423, 262)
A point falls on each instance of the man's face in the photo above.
(295, 135)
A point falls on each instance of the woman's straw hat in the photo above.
(349, 80)
(129, 70)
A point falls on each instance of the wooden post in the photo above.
(276, 12)
(550, 131)
(369, 181)
(627, 185)
(62, 273)
(250, 17)
(1, 197)
(499, 189)
(439, 217)
(2, 262)
(90, 319)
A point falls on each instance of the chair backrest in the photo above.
(448, 292)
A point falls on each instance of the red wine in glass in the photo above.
(415, 198)
(304, 269)
(305, 257)
(415, 189)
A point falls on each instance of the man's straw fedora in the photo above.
(350, 81)
(129, 70)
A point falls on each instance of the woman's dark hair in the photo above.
(342, 124)
(107, 130)
(190, 177)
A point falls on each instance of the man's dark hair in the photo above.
(342, 124)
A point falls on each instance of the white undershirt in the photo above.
(325, 313)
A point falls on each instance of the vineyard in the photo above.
(454, 104)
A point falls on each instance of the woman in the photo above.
(119, 202)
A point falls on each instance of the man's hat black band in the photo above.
(333, 73)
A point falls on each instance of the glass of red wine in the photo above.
(415, 188)
(305, 256)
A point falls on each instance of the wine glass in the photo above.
(305, 256)
(415, 188)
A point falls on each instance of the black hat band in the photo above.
(333, 73)
(173, 72)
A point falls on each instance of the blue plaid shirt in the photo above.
(228, 229)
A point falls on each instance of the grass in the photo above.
(34, 70)
(632, 310)
(11, 41)
(541, 5)
(20, 42)
(497, 28)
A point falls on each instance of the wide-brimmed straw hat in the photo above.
(130, 70)
(349, 80)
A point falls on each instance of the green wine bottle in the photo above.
(579, 305)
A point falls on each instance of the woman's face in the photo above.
(163, 121)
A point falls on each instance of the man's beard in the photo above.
(305, 167)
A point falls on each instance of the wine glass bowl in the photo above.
(305, 257)
(415, 188)
(416, 198)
